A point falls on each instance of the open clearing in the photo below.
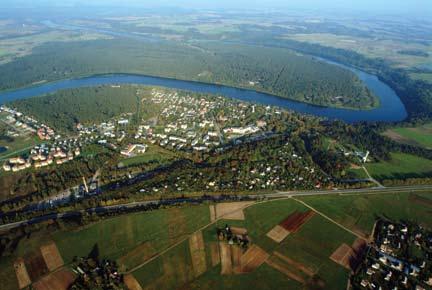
(231, 210)
(253, 258)
(21, 273)
(198, 255)
(214, 252)
(400, 166)
(278, 234)
(343, 256)
(225, 257)
(60, 280)
(131, 282)
(421, 135)
(278, 265)
(289, 225)
(295, 264)
(52, 257)
(36, 266)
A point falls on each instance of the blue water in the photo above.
(3, 149)
(391, 108)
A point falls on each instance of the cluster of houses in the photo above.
(25, 125)
(399, 259)
(197, 123)
(44, 155)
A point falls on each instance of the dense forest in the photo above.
(62, 110)
(274, 70)
(415, 94)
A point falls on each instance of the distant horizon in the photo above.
(415, 7)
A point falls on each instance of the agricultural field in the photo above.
(303, 250)
(15, 47)
(358, 212)
(388, 49)
(401, 166)
(179, 246)
(419, 136)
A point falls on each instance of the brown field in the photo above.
(239, 231)
(131, 282)
(198, 255)
(289, 225)
(253, 258)
(295, 264)
(399, 138)
(236, 253)
(176, 224)
(294, 221)
(343, 255)
(278, 234)
(214, 252)
(277, 264)
(36, 266)
(60, 280)
(21, 273)
(212, 209)
(138, 255)
(175, 268)
(52, 257)
(225, 257)
(231, 210)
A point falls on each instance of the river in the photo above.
(391, 108)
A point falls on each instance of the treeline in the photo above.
(273, 70)
(368, 137)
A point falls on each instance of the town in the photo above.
(399, 258)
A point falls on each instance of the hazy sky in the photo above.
(390, 6)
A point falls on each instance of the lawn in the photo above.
(400, 166)
(154, 154)
(421, 135)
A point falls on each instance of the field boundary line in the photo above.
(330, 219)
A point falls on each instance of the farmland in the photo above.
(163, 249)
(400, 166)
(420, 136)
(358, 212)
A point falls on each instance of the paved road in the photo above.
(276, 195)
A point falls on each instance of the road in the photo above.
(276, 195)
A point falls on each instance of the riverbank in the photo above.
(391, 108)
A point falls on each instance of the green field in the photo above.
(154, 154)
(115, 237)
(421, 135)
(17, 146)
(400, 166)
(133, 239)
(358, 212)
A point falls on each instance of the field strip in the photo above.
(330, 219)
(188, 236)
